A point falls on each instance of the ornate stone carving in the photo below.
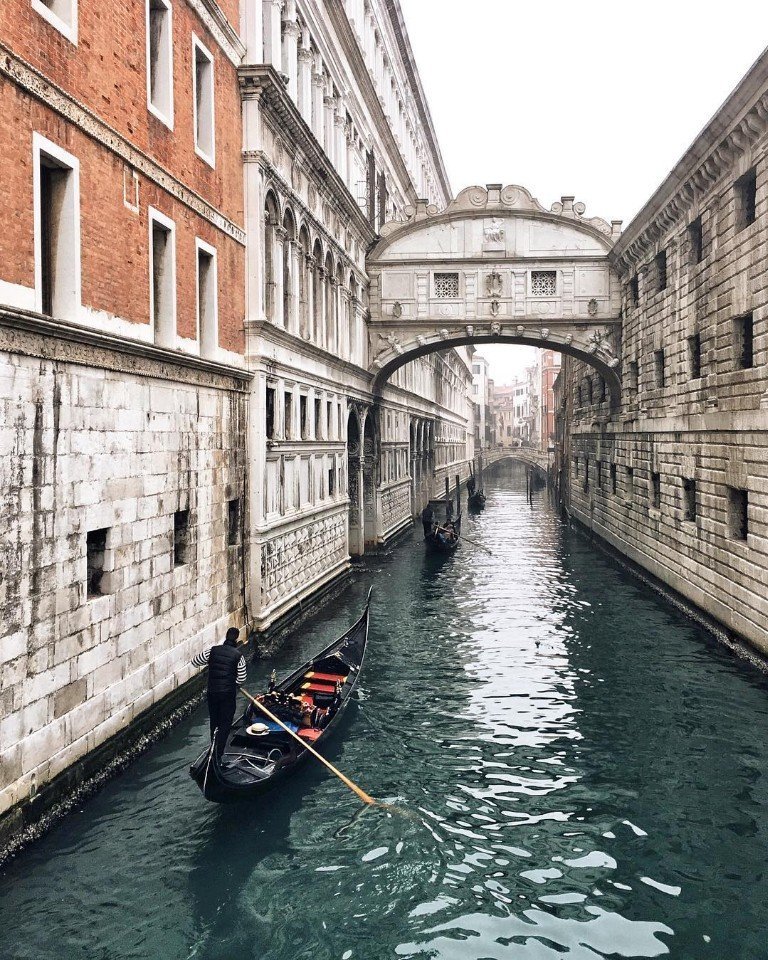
(592, 307)
(301, 556)
(470, 330)
(397, 310)
(494, 284)
(495, 329)
(494, 232)
(495, 307)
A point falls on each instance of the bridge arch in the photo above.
(495, 267)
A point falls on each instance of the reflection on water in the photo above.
(586, 772)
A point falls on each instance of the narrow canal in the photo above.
(586, 769)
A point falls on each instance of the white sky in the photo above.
(592, 98)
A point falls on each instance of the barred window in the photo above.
(446, 286)
(543, 283)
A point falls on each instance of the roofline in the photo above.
(398, 23)
(733, 107)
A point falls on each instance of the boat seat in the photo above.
(309, 733)
(327, 677)
(318, 687)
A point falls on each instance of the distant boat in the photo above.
(476, 501)
(258, 754)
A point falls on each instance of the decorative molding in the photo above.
(38, 86)
(33, 335)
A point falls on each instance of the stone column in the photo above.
(309, 291)
(252, 30)
(291, 33)
(321, 333)
(297, 263)
(273, 53)
(318, 110)
(350, 138)
(329, 136)
(277, 262)
(304, 80)
(340, 122)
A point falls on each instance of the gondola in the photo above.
(444, 537)
(476, 501)
(258, 754)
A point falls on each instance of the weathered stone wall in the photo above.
(663, 478)
(85, 448)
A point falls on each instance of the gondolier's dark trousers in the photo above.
(221, 708)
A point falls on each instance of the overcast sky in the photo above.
(592, 98)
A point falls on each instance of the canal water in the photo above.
(585, 772)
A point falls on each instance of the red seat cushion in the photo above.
(309, 733)
(328, 677)
(318, 688)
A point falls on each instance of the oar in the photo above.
(462, 537)
(352, 786)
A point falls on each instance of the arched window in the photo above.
(331, 320)
(271, 221)
(305, 280)
(289, 268)
(317, 293)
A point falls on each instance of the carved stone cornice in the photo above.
(220, 28)
(33, 335)
(263, 81)
(740, 123)
(35, 84)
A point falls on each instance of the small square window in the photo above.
(661, 270)
(694, 356)
(743, 341)
(745, 190)
(689, 499)
(738, 513)
(180, 537)
(543, 283)
(446, 286)
(233, 522)
(95, 547)
(696, 241)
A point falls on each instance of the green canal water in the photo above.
(586, 772)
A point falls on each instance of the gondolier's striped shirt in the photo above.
(201, 659)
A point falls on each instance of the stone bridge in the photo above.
(495, 267)
(535, 459)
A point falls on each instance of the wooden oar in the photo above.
(462, 537)
(352, 786)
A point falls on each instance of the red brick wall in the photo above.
(107, 72)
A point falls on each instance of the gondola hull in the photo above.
(476, 501)
(442, 544)
(252, 765)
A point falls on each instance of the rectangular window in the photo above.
(696, 241)
(655, 490)
(743, 342)
(658, 367)
(95, 548)
(269, 412)
(586, 475)
(599, 474)
(57, 230)
(303, 417)
(543, 283)
(576, 466)
(634, 291)
(661, 270)
(233, 522)
(633, 379)
(160, 60)
(288, 412)
(694, 356)
(329, 419)
(207, 300)
(61, 14)
(180, 537)
(162, 287)
(614, 483)
(318, 419)
(738, 513)
(203, 87)
(332, 481)
(745, 190)
(600, 390)
(446, 286)
(630, 482)
(588, 389)
(689, 499)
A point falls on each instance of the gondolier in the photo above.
(226, 671)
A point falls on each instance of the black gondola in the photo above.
(258, 753)
(444, 537)
(476, 501)
(475, 495)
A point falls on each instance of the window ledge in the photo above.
(68, 30)
(158, 114)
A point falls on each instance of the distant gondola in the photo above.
(476, 501)
(444, 537)
(258, 754)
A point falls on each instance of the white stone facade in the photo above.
(676, 476)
